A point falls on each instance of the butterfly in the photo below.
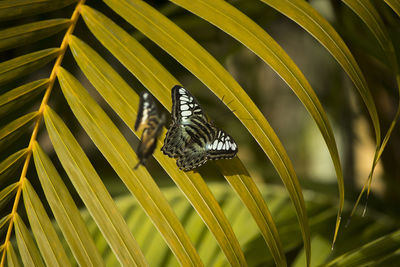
(151, 123)
(191, 138)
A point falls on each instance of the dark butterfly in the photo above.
(192, 139)
(151, 123)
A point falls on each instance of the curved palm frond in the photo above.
(20, 96)
(122, 45)
(320, 208)
(42, 228)
(92, 191)
(214, 229)
(12, 258)
(23, 65)
(370, 16)
(13, 9)
(65, 210)
(395, 5)
(28, 250)
(385, 249)
(31, 32)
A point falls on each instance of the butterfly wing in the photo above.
(184, 109)
(151, 123)
(201, 149)
(175, 141)
(184, 106)
(222, 146)
(193, 157)
(146, 147)
(179, 136)
(191, 138)
(147, 112)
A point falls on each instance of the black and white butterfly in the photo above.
(191, 138)
(151, 123)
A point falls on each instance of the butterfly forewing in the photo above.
(187, 122)
(184, 106)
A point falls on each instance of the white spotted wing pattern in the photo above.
(191, 138)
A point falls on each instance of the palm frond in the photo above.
(18, 67)
(370, 16)
(28, 250)
(12, 259)
(13, 9)
(381, 252)
(20, 96)
(65, 211)
(207, 225)
(32, 32)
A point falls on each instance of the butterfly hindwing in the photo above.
(151, 123)
(175, 141)
(193, 157)
(222, 147)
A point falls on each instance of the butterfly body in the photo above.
(148, 121)
(192, 139)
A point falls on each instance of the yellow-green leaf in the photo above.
(234, 210)
(132, 55)
(20, 96)
(23, 65)
(238, 177)
(12, 9)
(150, 72)
(370, 16)
(391, 259)
(12, 259)
(122, 158)
(46, 237)
(27, 248)
(209, 249)
(11, 163)
(15, 129)
(156, 246)
(115, 90)
(302, 13)
(395, 5)
(153, 75)
(4, 222)
(181, 46)
(235, 23)
(29, 33)
(7, 193)
(369, 253)
(367, 12)
(93, 192)
(65, 211)
(195, 227)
